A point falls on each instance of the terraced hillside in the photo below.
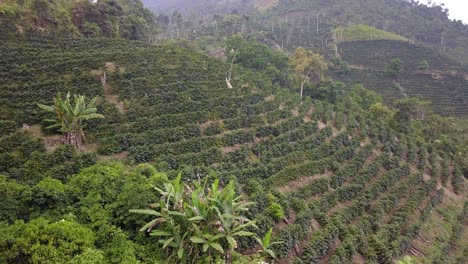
(442, 82)
(377, 53)
(336, 185)
(365, 32)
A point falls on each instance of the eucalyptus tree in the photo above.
(308, 66)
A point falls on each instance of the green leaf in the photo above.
(176, 213)
(205, 247)
(267, 238)
(271, 253)
(197, 240)
(197, 218)
(160, 233)
(168, 242)
(218, 247)
(180, 253)
(260, 242)
(232, 242)
(46, 107)
(251, 223)
(243, 233)
(152, 223)
(147, 212)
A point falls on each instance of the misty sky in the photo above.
(458, 9)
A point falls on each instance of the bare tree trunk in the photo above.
(74, 138)
(302, 87)
(229, 73)
(104, 79)
(229, 257)
(318, 21)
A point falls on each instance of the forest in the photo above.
(253, 136)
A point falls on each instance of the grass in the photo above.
(436, 232)
(365, 32)
(265, 4)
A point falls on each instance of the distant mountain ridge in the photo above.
(408, 18)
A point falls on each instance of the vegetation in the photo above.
(394, 68)
(201, 224)
(179, 168)
(308, 66)
(70, 117)
(364, 32)
(441, 83)
(127, 19)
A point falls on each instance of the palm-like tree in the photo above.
(266, 244)
(194, 222)
(70, 116)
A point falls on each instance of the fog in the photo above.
(187, 6)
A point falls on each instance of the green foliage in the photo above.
(49, 194)
(7, 127)
(364, 32)
(336, 167)
(112, 19)
(423, 65)
(69, 118)
(308, 66)
(14, 200)
(41, 241)
(266, 243)
(394, 68)
(254, 55)
(197, 223)
(276, 211)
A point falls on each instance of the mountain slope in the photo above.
(427, 24)
(346, 183)
(127, 19)
(442, 82)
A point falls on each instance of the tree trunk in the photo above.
(74, 138)
(228, 83)
(229, 73)
(302, 87)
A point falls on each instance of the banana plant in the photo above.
(229, 209)
(266, 243)
(70, 116)
(193, 222)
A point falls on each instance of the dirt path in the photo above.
(291, 186)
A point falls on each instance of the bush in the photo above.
(7, 127)
(14, 198)
(41, 241)
(394, 68)
(275, 210)
(49, 194)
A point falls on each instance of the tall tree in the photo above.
(70, 116)
(177, 22)
(308, 66)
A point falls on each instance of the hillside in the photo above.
(442, 82)
(127, 19)
(411, 19)
(335, 182)
(339, 31)
(364, 32)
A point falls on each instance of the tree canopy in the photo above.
(308, 66)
